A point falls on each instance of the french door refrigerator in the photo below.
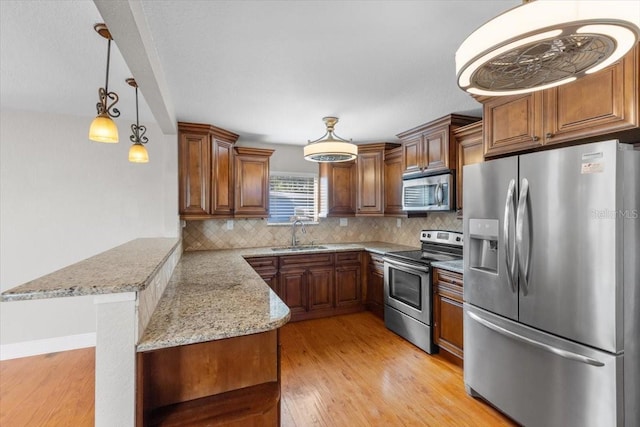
(551, 285)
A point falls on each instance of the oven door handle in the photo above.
(395, 263)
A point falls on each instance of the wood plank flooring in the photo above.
(340, 371)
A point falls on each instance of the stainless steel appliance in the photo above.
(551, 287)
(428, 193)
(407, 285)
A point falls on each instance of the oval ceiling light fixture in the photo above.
(137, 152)
(546, 43)
(103, 128)
(330, 148)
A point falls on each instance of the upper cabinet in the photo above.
(468, 142)
(338, 186)
(205, 171)
(393, 182)
(252, 182)
(371, 178)
(595, 105)
(426, 148)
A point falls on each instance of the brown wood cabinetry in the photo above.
(267, 268)
(598, 104)
(205, 171)
(230, 382)
(252, 182)
(426, 148)
(447, 314)
(338, 186)
(348, 279)
(468, 141)
(371, 178)
(393, 183)
(375, 284)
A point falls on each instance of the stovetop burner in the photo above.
(436, 246)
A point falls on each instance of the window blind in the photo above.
(292, 196)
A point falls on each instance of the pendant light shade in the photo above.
(103, 128)
(137, 152)
(330, 147)
(542, 44)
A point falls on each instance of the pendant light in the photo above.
(330, 147)
(542, 44)
(103, 128)
(137, 152)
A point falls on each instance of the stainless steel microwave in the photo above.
(428, 193)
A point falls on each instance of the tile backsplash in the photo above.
(214, 234)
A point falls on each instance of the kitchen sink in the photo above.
(298, 248)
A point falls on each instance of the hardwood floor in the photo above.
(340, 371)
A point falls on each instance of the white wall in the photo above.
(286, 158)
(64, 198)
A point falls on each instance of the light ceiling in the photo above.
(267, 70)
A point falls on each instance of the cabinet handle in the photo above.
(535, 138)
(549, 135)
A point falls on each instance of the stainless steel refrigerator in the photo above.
(551, 285)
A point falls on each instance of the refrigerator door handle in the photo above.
(509, 211)
(522, 206)
(546, 347)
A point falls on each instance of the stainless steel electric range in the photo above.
(407, 286)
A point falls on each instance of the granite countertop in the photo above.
(216, 294)
(456, 266)
(125, 268)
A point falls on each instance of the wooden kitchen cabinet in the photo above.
(426, 148)
(205, 171)
(371, 178)
(375, 285)
(468, 141)
(267, 268)
(393, 183)
(596, 105)
(348, 283)
(252, 182)
(338, 187)
(448, 314)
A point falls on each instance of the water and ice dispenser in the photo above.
(483, 245)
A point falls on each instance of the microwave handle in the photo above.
(439, 195)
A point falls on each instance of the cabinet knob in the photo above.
(549, 135)
(535, 138)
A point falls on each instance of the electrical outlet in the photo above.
(398, 222)
(229, 224)
(344, 222)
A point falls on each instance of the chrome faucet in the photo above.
(294, 241)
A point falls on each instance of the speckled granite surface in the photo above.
(216, 294)
(455, 266)
(125, 268)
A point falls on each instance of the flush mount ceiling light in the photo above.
(330, 147)
(137, 152)
(103, 128)
(542, 44)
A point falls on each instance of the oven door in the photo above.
(407, 288)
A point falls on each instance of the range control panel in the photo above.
(441, 236)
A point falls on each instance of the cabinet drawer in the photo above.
(347, 257)
(306, 260)
(263, 263)
(447, 277)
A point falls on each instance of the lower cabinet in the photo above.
(447, 314)
(228, 382)
(375, 285)
(314, 285)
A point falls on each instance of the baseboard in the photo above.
(49, 345)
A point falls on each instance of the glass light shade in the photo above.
(138, 154)
(330, 150)
(529, 26)
(103, 129)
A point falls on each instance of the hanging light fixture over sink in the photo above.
(546, 43)
(103, 128)
(330, 147)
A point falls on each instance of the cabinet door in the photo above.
(320, 283)
(222, 182)
(468, 141)
(252, 183)
(596, 104)
(194, 173)
(370, 183)
(512, 123)
(393, 183)
(293, 289)
(338, 182)
(412, 157)
(348, 285)
(448, 313)
(436, 149)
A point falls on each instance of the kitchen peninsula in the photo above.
(214, 304)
